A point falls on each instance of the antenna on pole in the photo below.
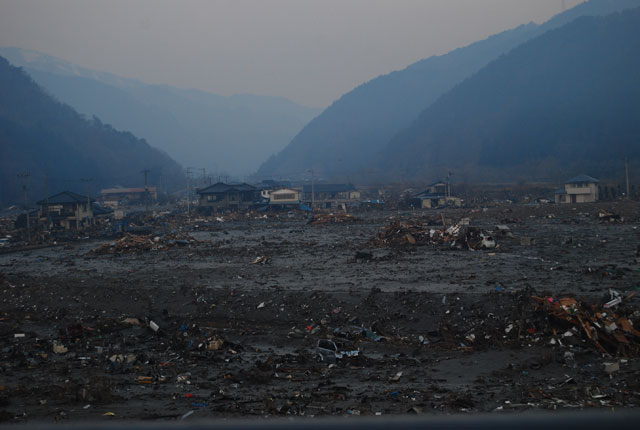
(145, 172)
(313, 191)
(25, 180)
(46, 187)
(626, 171)
(89, 209)
(189, 190)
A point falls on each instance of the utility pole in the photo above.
(46, 188)
(313, 191)
(626, 174)
(25, 179)
(86, 190)
(145, 172)
(189, 190)
(204, 177)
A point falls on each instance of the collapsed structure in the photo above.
(458, 236)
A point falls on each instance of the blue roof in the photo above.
(582, 179)
(425, 195)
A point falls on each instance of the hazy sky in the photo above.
(309, 51)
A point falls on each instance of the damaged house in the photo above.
(436, 195)
(223, 196)
(67, 210)
(116, 196)
(330, 195)
(284, 197)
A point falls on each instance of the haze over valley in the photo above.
(461, 111)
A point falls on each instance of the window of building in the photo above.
(284, 196)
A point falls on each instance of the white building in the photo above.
(581, 189)
(284, 196)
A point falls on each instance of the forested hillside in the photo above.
(40, 135)
(349, 133)
(564, 103)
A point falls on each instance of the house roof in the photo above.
(125, 190)
(101, 210)
(440, 182)
(582, 179)
(426, 195)
(285, 191)
(65, 197)
(221, 187)
(270, 184)
(329, 188)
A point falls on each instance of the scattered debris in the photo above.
(608, 332)
(328, 351)
(194, 333)
(333, 218)
(458, 236)
(59, 348)
(132, 243)
(610, 368)
(261, 260)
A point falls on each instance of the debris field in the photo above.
(501, 309)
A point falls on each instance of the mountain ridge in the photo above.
(233, 133)
(39, 134)
(346, 136)
(560, 104)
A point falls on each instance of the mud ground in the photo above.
(437, 330)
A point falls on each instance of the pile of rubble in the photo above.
(333, 218)
(458, 236)
(131, 244)
(605, 216)
(611, 333)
